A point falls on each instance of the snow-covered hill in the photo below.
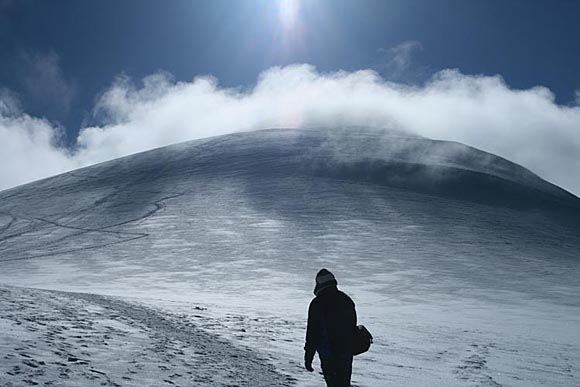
(464, 265)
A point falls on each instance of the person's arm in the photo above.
(312, 337)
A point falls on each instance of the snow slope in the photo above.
(464, 265)
(84, 339)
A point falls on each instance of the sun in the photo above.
(289, 11)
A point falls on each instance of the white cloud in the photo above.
(28, 146)
(525, 126)
(9, 103)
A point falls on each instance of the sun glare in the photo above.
(289, 10)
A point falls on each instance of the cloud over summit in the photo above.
(525, 126)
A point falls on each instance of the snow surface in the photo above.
(195, 262)
(84, 339)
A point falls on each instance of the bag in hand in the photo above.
(362, 340)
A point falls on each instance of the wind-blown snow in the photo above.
(463, 265)
(525, 126)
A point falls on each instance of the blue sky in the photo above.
(87, 81)
(91, 42)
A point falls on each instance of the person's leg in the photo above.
(343, 367)
(347, 374)
(329, 370)
(337, 371)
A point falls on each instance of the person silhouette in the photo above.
(331, 326)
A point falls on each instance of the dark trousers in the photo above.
(337, 370)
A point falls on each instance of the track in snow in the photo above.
(67, 339)
(124, 236)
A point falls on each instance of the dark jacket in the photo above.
(331, 324)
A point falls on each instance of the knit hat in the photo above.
(324, 279)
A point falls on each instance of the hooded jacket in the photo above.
(331, 324)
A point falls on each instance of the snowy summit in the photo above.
(193, 264)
